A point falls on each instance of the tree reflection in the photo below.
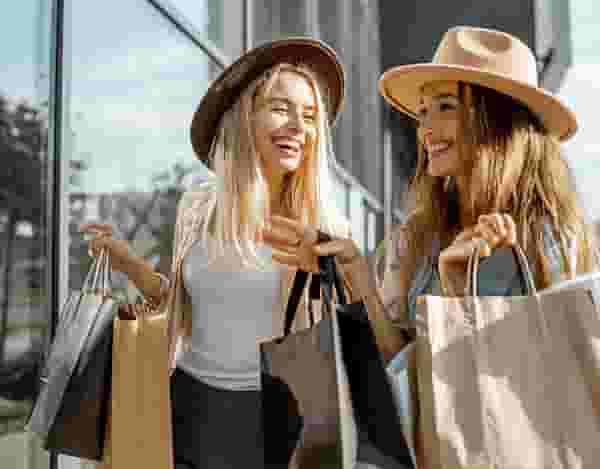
(145, 219)
(23, 146)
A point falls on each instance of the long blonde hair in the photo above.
(516, 167)
(242, 202)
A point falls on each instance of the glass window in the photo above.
(581, 90)
(24, 315)
(341, 196)
(131, 96)
(357, 218)
(219, 21)
(371, 228)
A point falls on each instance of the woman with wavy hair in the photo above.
(489, 174)
(263, 128)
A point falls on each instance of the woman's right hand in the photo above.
(120, 255)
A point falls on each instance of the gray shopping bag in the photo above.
(308, 418)
(71, 410)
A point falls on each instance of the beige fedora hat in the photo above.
(224, 91)
(485, 57)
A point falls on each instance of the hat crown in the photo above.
(489, 51)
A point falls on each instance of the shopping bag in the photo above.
(308, 419)
(509, 382)
(372, 398)
(71, 409)
(140, 430)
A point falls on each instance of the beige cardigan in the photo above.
(192, 213)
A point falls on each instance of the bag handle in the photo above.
(300, 279)
(98, 277)
(326, 280)
(91, 278)
(472, 287)
(331, 278)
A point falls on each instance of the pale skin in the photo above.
(284, 124)
(439, 132)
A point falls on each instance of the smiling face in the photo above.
(439, 123)
(285, 124)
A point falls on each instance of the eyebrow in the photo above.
(288, 101)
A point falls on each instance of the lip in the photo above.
(289, 146)
(438, 149)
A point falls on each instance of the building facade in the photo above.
(95, 105)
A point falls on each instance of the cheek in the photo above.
(449, 128)
(263, 130)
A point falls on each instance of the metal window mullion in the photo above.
(53, 196)
(248, 22)
(351, 181)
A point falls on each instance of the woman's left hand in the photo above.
(296, 245)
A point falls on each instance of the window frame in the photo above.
(59, 153)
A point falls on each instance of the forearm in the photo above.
(452, 283)
(389, 338)
(141, 273)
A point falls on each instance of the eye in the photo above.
(279, 109)
(310, 118)
(447, 106)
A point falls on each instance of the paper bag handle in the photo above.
(98, 277)
(472, 287)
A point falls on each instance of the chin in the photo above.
(289, 167)
(440, 170)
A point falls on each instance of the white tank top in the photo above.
(232, 310)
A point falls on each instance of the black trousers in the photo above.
(220, 429)
(215, 428)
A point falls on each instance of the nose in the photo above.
(425, 132)
(297, 122)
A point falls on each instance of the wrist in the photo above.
(357, 274)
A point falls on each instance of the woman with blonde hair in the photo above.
(489, 174)
(263, 128)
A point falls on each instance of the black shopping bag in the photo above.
(71, 410)
(308, 419)
(372, 398)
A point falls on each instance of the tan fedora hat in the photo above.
(485, 57)
(224, 91)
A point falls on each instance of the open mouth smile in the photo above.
(437, 150)
(288, 146)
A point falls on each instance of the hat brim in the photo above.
(401, 87)
(224, 91)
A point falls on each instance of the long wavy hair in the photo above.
(513, 166)
(242, 201)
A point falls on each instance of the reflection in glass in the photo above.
(24, 314)
(357, 218)
(341, 196)
(207, 16)
(132, 96)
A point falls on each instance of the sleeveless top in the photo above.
(233, 309)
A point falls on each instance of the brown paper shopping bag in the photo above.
(140, 432)
(510, 382)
